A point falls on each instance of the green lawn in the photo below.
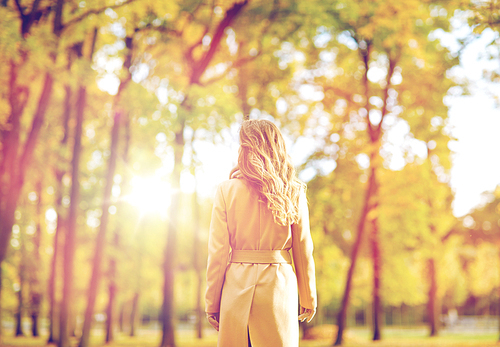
(392, 337)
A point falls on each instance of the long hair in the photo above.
(264, 163)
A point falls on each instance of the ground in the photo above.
(392, 337)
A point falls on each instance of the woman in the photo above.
(259, 214)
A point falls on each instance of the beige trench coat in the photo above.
(257, 299)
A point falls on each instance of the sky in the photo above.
(474, 121)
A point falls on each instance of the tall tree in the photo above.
(365, 56)
(197, 63)
(15, 157)
(101, 236)
(70, 237)
(59, 171)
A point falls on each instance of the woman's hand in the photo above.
(306, 313)
(213, 319)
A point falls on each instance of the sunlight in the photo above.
(151, 195)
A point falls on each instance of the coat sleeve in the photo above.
(218, 253)
(302, 251)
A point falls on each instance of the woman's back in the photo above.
(258, 216)
(250, 224)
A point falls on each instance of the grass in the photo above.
(355, 337)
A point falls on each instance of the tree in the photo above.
(360, 43)
(101, 236)
(15, 156)
(481, 228)
(69, 246)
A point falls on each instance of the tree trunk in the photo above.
(168, 338)
(51, 290)
(59, 174)
(121, 317)
(18, 96)
(111, 290)
(197, 265)
(11, 160)
(101, 236)
(69, 242)
(198, 68)
(376, 258)
(377, 309)
(341, 316)
(35, 290)
(109, 313)
(497, 307)
(19, 313)
(112, 266)
(432, 305)
(134, 313)
(17, 164)
(1, 313)
(375, 134)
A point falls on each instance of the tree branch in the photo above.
(27, 19)
(58, 26)
(450, 233)
(93, 11)
(202, 64)
(129, 43)
(19, 8)
(365, 56)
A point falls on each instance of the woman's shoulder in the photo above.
(233, 183)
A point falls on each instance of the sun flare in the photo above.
(151, 195)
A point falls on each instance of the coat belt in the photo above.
(261, 256)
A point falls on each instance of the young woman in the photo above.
(259, 215)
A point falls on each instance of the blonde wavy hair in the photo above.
(264, 163)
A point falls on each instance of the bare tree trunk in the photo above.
(53, 331)
(20, 302)
(168, 338)
(59, 174)
(112, 266)
(371, 197)
(432, 305)
(19, 313)
(35, 290)
(377, 310)
(121, 317)
(341, 316)
(69, 244)
(101, 236)
(112, 291)
(134, 313)
(110, 313)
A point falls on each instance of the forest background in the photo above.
(119, 118)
